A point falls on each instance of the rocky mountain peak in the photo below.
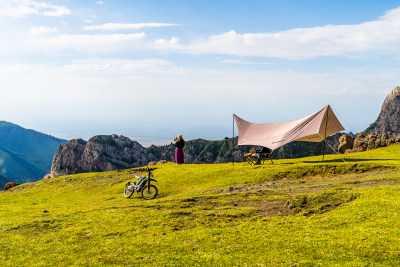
(395, 93)
(388, 120)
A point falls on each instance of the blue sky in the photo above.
(153, 69)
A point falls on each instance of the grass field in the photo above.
(294, 212)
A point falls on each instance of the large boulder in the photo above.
(10, 185)
(47, 176)
(100, 153)
(345, 142)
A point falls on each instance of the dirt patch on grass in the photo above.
(372, 182)
(37, 226)
(266, 208)
(309, 204)
(317, 182)
(181, 213)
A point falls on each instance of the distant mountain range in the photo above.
(25, 155)
(205, 151)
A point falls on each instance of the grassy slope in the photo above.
(293, 212)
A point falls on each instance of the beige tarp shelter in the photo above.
(313, 128)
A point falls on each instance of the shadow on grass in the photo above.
(347, 160)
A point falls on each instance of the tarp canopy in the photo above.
(313, 128)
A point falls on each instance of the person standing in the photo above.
(179, 144)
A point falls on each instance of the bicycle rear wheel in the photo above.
(128, 191)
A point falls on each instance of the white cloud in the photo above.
(91, 43)
(126, 26)
(22, 8)
(99, 2)
(382, 34)
(245, 62)
(116, 66)
(42, 30)
(163, 44)
(56, 11)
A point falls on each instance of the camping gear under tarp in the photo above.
(313, 128)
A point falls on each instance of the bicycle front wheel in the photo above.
(149, 192)
(128, 191)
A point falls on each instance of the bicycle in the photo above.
(147, 190)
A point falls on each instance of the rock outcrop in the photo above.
(67, 158)
(363, 142)
(100, 153)
(10, 185)
(388, 120)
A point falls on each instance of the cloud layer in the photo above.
(23, 8)
(126, 26)
(90, 43)
(382, 34)
(379, 36)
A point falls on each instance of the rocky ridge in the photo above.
(101, 153)
(219, 151)
(113, 152)
(363, 142)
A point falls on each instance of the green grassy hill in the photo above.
(295, 212)
(25, 155)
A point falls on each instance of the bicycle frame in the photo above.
(145, 181)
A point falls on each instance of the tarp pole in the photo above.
(270, 157)
(326, 126)
(233, 138)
